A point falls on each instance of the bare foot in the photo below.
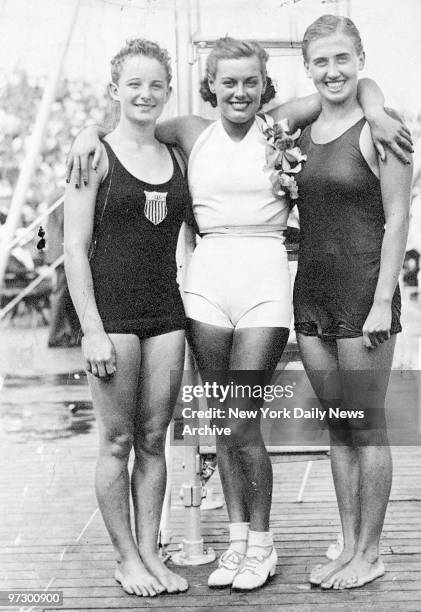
(356, 574)
(136, 580)
(173, 583)
(321, 572)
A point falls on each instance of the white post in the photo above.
(19, 195)
(192, 552)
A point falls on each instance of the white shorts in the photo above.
(239, 281)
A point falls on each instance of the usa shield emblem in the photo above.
(155, 206)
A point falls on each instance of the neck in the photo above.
(237, 131)
(138, 133)
(343, 110)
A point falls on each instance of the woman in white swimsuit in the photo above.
(237, 291)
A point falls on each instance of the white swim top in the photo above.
(230, 189)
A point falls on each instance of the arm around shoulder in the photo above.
(182, 131)
(299, 111)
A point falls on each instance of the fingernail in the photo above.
(67, 181)
(85, 183)
(77, 186)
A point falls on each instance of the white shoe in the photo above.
(229, 563)
(254, 571)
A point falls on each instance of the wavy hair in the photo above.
(140, 46)
(232, 48)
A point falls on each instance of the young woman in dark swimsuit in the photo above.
(130, 310)
(354, 223)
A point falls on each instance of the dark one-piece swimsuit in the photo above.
(133, 263)
(342, 226)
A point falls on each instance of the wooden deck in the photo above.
(52, 535)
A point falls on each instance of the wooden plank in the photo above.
(57, 476)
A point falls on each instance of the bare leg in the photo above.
(211, 346)
(375, 462)
(320, 358)
(259, 350)
(160, 376)
(244, 465)
(114, 402)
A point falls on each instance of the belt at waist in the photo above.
(246, 230)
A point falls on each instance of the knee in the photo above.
(119, 444)
(243, 435)
(370, 437)
(340, 432)
(151, 441)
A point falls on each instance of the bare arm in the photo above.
(395, 181)
(181, 131)
(386, 131)
(299, 112)
(79, 207)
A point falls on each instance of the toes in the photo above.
(154, 588)
(328, 582)
(173, 587)
(340, 582)
(128, 588)
(183, 585)
(351, 582)
(158, 588)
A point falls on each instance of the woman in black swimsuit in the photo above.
(125, 292)
(354, 224)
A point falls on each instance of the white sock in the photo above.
(259, 540)
(238, 537)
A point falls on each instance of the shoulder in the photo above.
(193, 122)
(182, 131)
(189, 128)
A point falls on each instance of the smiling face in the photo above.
(142, 89)
(333, 63)
(238, 86)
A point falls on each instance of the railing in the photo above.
(45, 271)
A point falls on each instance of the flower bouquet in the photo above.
(284, 157)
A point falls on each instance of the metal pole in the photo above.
(192, 552)
(183, 38)
(19, 195)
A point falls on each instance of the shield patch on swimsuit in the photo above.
(155, 206)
